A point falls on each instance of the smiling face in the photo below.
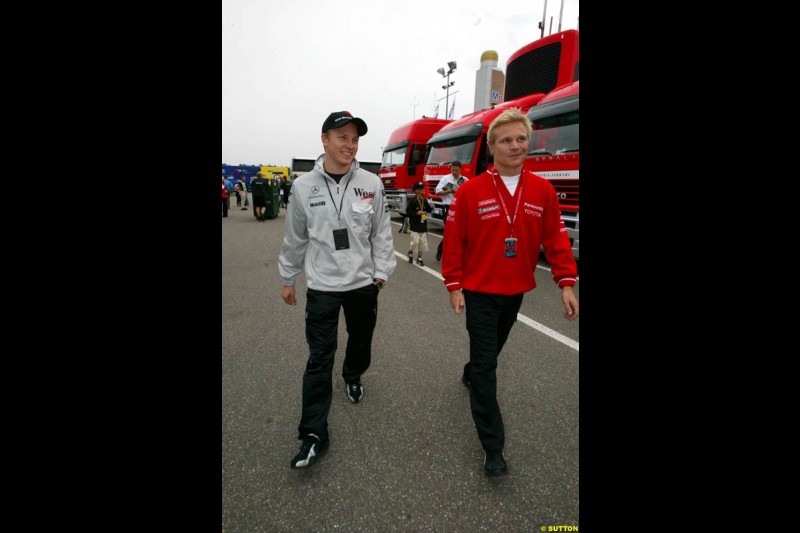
(341, 146)
(510, 148)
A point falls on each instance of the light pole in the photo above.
(451, 65)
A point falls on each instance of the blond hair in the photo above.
(507, 117)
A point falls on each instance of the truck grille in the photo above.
(534, 72)
(568, 193)
(570, 220)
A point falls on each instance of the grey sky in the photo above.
(287, 65)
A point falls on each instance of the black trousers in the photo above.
(445, 209)
(489, 321)
(322, 325)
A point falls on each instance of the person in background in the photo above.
(417, 211)
(286, 187)
(241, 190)
(338, 230)
(231, 186)
(495, 227)
(224, 199)
(446, 188)
(258, 186)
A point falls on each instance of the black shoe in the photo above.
(465, 377)
(410, 258)
(355, 391)
(494, 464)
(310, 449)
(439, 252)
(419, 262)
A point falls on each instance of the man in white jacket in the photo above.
(446, 188)
(338, 230)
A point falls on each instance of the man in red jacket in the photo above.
(494, 229)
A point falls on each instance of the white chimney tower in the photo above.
(489, 82)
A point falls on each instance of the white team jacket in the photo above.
(312, 217)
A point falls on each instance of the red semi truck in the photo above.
(543, 65)
(554, 154)
(403, 162)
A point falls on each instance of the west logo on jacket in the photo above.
(365, 195)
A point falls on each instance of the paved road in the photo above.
(407, 458)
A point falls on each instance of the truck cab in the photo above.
(404, 157)
(554, 152)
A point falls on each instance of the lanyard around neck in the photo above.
(339, 211)
(518, 194)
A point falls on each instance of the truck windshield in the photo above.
(459, 149)
(394, 157)
(555, 135)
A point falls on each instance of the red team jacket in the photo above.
(473, 255)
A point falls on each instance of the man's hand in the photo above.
(570, 302)
(288, 294)
(457, 301)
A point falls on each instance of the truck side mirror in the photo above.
(412, 169)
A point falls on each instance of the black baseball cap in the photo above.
(418, 185)
(337, 119)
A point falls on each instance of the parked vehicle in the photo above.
(271, 172)
(543, 65)
(403, 162)
(554, 151)
(246, 172)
